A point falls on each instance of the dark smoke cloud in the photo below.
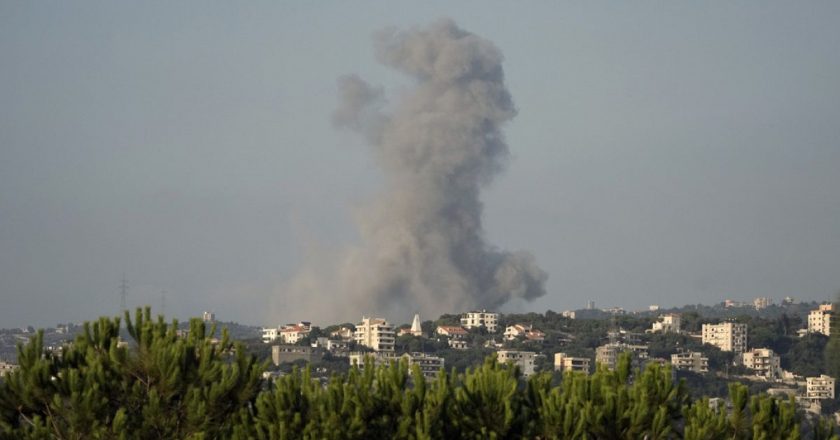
(422, 245)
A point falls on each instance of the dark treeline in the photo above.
(165, 384)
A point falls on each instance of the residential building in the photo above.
(6, 368)
(343, 333)
(821, 387)
(762, 302)
(653, 308)
(483, 318)
(208, 316)
(293, 333)
(458, 344)
(608, 354)
(269, 334)
(375, 333)
(281, 354)
(334, 346)
(568, 314)
(590, 305)
(668, 323)
(615, 311)
(819, 321)
(568, 363)
(763, 361)
(690, 361)
(522, 359)
(728, 336)
(523, 330)
(452, 331)
(429, 365)
(379, 358)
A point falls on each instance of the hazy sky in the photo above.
(662, 153)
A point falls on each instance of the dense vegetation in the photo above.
(163, 384)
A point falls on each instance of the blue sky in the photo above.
(662, 153)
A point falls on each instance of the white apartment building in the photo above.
(690, 361)
(379, 358)
(375, 333)
(668, 323)
(568, 363)
(728, 336)
(522, 359)
(819, 321)
(483, 318)
(821, 387)
(343, 333)
(269, 334)
(763, 362)
(608, 354)
(208, 316)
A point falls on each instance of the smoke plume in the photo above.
(422, 245)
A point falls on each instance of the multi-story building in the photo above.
(762, 302)
(292, 333)
(378, 358)
(568, 363)
(668, 323)
(819, 321)
(608, 354)
(821, 387)
(483, 318)
(208, 316)
(728, 336)
(456, 335)
(269, 334)
(763, 362)
(429, 365)
(690, 361)
(375, 333)
(522, 359)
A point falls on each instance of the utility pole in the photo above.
(123, 293)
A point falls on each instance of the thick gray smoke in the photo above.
(422, 242)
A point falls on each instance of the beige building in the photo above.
(668, 323)
(568, 363)
(821, 387)
(523, 359)
(819, 321)
(608, 354)
(375, 333)
(763, 361)
(690, 361)
(429, 365)
(6, 368)
(483, 318)
(728, 336)
(293, 333)
(762, 302)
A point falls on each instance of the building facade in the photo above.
(821, 387)
(281, 354)
(483, 318)
(668, 323)
(607, 355)
(690, 361)
(375, 333)
(764, 362)
(819, 321)
(568, 363)
(727, 336)
(429, 365)
(525, 360)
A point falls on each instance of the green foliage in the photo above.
(165, 386)
(172, 386)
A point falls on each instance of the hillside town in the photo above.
(773, 348)
(705, 351)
